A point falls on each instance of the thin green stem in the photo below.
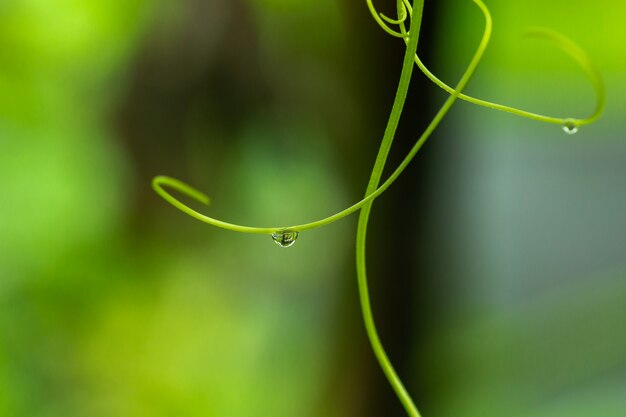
(364, 214)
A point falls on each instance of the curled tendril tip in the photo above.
(559, 40)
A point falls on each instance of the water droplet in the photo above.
(570, 126)
(285, 238)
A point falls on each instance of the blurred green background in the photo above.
(498, 260)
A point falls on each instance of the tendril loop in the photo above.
(566, 45)
(402, 6)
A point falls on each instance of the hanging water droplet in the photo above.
(285, 238)
(570, 126)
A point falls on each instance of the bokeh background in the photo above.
(497, 261)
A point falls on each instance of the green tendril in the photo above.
(566, 45)
(402, 14)
(405, 12)
(584, 62)
(381, 18)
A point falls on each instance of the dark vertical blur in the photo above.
(402, 291)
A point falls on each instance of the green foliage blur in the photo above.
(114, 304)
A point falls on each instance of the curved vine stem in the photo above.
(567, 46)
(404, 10)
(379, 165)
(582, 59)
(561, 41)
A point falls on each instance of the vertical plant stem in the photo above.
(364, 298)
(379, 165)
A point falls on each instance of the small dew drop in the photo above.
(570, 126)
(285, 238)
